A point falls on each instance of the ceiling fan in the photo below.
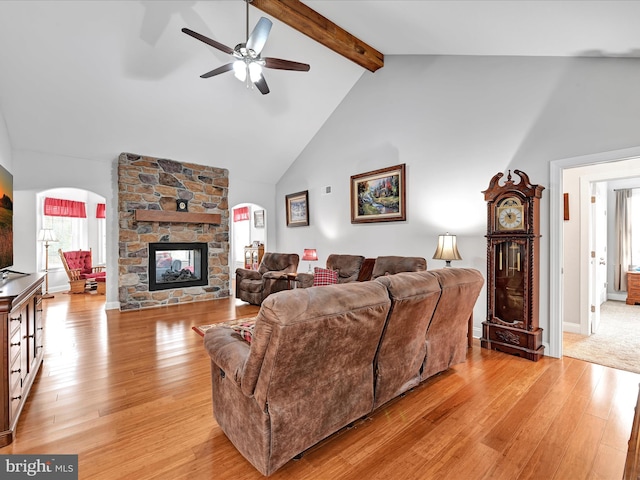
(248, 63)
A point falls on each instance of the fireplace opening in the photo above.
(177, 265)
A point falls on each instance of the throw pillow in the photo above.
(324, 276)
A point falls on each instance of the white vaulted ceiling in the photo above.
(93, 79)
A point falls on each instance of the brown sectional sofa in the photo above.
(323, 357)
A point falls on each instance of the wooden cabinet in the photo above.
(22, 346)
(633, 288)
(253, 256)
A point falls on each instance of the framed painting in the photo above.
(297, 207)
(379, 196)
(258, 219)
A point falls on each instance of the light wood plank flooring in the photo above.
(130, 393)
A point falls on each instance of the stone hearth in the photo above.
(147, 192)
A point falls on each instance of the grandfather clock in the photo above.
(513, 251)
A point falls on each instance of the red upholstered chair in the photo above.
(80, 270)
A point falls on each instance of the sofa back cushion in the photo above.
(403, 348)
(79, 259)
(279, 262)
(447, 334)
(391, 265)
(347, 266)
(311, 359)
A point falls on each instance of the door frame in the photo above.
(556, 238)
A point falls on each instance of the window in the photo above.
(70, 234)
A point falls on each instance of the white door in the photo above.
(598, 253)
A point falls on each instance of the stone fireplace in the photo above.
(167, 256)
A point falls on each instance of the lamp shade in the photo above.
(447, 248)
(47, 235)
(310, 255)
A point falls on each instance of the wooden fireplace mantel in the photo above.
(177, 217)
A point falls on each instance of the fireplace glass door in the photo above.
(177, 265)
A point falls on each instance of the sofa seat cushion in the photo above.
(324, 276)
(93, 276)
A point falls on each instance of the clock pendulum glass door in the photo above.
(509, 278)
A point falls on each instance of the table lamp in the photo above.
(447, 249)
(47, 235)
(310, 255)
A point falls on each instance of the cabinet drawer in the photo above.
(15, 378)
(15, 393)
(14, 324)
(15, 345)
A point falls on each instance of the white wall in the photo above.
(456, 122)
(5, 146)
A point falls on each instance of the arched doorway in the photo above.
(248, 227)
(73, 233)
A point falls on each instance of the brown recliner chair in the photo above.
(254, 286)
(347, 266)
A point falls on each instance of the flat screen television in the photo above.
(6, 218)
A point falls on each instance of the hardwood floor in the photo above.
(130, 394)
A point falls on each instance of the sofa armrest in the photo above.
(275, 275)
(305, 280)
(227, 350)
(74, 274)
(243, 273)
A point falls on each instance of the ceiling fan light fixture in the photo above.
(255, 71)
(240, 70)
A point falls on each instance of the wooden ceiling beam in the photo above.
(306, 20)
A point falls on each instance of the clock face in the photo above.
(181, 205)
(510, 214)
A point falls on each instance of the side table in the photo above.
(292, 278)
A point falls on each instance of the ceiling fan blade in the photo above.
(208, 41)
(259, 35)
(261, 84)
(285, 64)
(218, 71)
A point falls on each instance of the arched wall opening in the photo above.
(74, 234)
(248, 227)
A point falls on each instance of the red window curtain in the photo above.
(240, 214)
(101, 210)
(56, 207)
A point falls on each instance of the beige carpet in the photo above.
(616, 343)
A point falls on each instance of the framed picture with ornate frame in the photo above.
(297, 208)
(379, 195)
